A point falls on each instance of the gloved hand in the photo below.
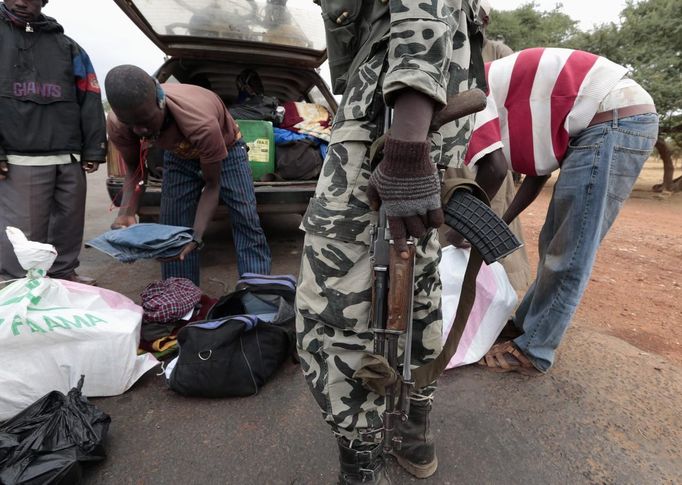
(407, 184)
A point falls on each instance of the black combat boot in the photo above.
(362, 466)
(417, 453)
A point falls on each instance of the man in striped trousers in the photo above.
(205, 160)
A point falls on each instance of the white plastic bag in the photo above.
(52, 331)
(495, 301)
(33, 256)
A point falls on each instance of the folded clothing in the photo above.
(169, 300)
(142, 241)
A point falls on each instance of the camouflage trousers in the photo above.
(333, 327)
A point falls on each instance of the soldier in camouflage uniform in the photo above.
(410, 55)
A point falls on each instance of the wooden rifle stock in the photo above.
(460, 105)
(400, 290)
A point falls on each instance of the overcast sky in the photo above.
(110, 38)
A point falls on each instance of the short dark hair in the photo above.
(128, 87)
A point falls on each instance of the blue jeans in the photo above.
(596, 177)
(180, 192)
(142, 241)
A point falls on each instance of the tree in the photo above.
(528, 27)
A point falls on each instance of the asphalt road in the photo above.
(607, 413)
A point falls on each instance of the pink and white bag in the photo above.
(53, 331)
(495, 302)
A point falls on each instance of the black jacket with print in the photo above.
(50, 101)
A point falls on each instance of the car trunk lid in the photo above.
(265, 31)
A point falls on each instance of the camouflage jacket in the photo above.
(377, 48)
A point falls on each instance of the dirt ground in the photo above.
(635, 292)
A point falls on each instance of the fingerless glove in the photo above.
(406, 181)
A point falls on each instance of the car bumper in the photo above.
(271, 197)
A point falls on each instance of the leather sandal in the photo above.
(506, 357)
(509, 332)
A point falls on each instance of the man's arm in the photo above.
(208, 202)
(527, 193)
(210, 195)
(133, 188)
(415, 84)
(406, 181)
(412, 115)
(128, 146)
(93, 124)
(491, 172)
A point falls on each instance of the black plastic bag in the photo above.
(258, 108)
(47, 441)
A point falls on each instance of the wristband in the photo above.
(199, 243)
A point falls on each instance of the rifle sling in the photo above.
(429, 372)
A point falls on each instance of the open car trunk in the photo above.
(210, 43)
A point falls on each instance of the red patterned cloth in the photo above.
(168, 300)
(308, 119)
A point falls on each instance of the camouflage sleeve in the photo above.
(426, 39)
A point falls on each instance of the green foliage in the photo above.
(603, 41)
(528, 27)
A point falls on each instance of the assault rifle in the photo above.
(393, 285)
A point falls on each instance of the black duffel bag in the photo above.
(298, 160)
(246, 337)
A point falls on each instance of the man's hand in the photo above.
(89, 166)
(188, 248)
(4, 170)
(406, 184)
(456, 239)
(123, 221)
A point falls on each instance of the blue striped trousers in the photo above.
(180, 192)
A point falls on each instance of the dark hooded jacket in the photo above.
(50, 101)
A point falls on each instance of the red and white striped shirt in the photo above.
(538, 99)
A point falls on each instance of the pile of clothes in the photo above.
(168, 306)
(302, 130)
